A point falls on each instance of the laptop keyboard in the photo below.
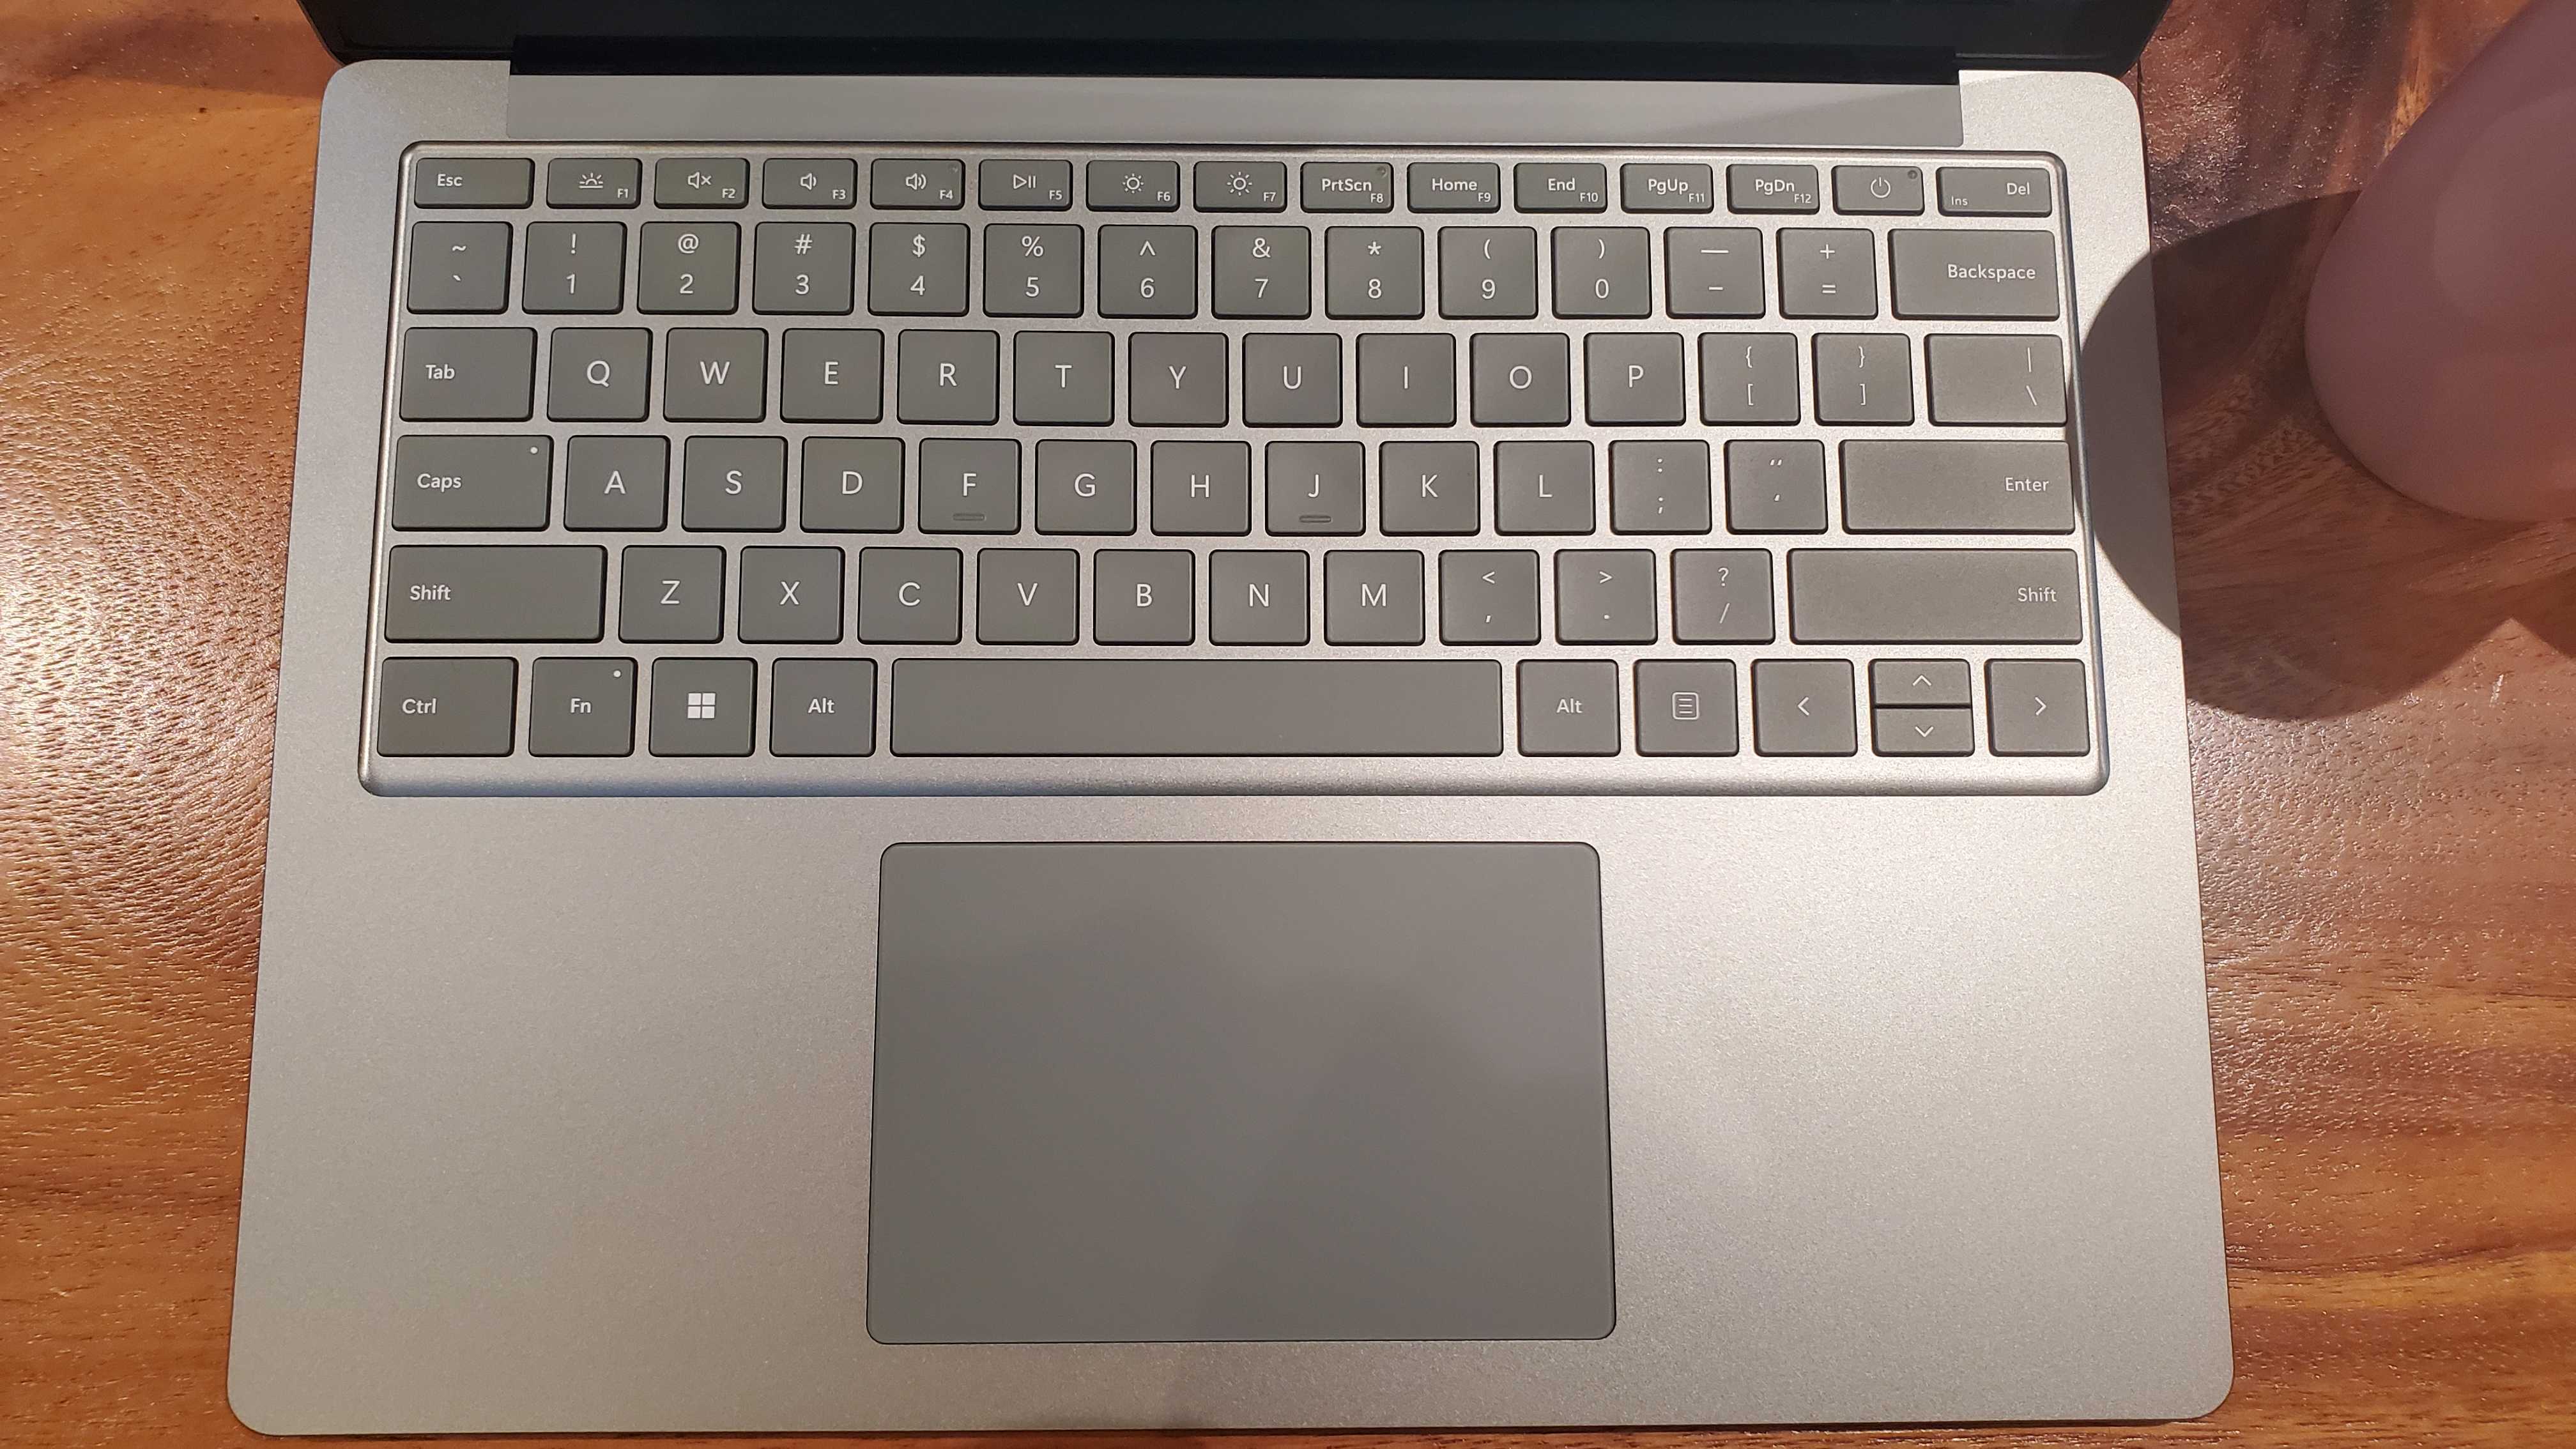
(1037, 470)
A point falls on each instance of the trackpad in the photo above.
(1166, 1093)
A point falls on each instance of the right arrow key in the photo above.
(2037, 707)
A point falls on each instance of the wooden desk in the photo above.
(2384, 718)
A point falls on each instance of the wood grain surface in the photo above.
(2383, 708)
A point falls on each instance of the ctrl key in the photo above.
(446, 706)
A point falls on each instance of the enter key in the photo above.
(1957, 486)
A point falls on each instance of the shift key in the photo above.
(462, 593)
(1934, 596)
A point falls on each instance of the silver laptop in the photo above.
(1012, 716)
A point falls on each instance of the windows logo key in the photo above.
(701, 704)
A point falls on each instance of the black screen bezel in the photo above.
(1572, 38)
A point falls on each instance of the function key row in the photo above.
(928, 183)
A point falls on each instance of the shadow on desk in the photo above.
(2310, 589)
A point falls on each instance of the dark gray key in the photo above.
(1722, 596)
(438, 593)
(1519, 379)
(670, 595)
(1659, 487)
(2037, 707)
(1026, 595)
(1928, 486)
(1314, 488)
(1775, 487)
(1142, 596)
(1828, 272)
(1032, 271)
(445, 706)
(1204, 707)
(616, 483)
(1864, 378)
(1755, 187)
(822, 707)
(2001, 379)
(599, 374)
(1919, 683)
(607, 181)
(1427, 488)
(909, 595)
(1257, 596)
(1348, 185)
(716, 375)
(1488, 596)
(802, 266)
(687, 266)
(809, 183)
(459, 266)
(1972, 274)
(1686, 707)
(1262, 271)
(1133, 185)
(970, 485)
(1633, 377)
(1995, 191)
(1177, 379)
(1202, 488)
(1454, 186)
(1061, 377)
(948, 377)
(1373, 271)
(1714, 271)
(581, 707)
(1292, 379)
(832, 375)
(1923, 732)
(1934, 596)
(1149, 271)
(1804, 707)
(1667, 186)
(1373, 596)
(733, 485)
(1408, 380)
(472, 482)
(851, 485)
(917, 269)
(701, 181)
(702, 707)
(1240, 185)
(914, 183)
(1086, 485)
(575, 266)
(1878, 190)
(1561, 186)
(1010, 185)
(1605, 596)
(1488, 271)
(457, 374)
(1748, 377)
(493, 181)
(1543, 488)
(1601, 271)
(1569, 707)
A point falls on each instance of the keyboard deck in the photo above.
(1038, 469)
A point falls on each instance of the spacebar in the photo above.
(1198, 707)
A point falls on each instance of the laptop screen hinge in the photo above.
(1445, 60)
